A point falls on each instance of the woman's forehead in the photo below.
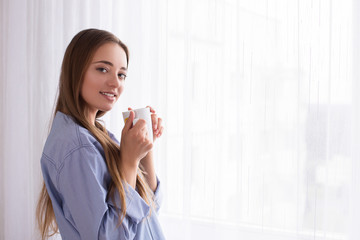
(111, 52)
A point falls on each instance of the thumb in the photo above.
(129, 121)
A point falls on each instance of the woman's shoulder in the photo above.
(66, 129)
(66, 136)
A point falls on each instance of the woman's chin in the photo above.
(106, 109)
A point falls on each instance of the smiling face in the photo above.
(104, 79)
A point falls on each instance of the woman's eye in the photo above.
(103, 70)
(122, 76)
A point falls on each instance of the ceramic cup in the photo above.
(141, 113)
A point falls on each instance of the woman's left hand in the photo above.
(157, 126)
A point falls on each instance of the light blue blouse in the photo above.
(77, 179)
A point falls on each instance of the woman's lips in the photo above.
(109, 95)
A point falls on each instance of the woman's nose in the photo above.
(114, 81)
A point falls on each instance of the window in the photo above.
(259, 104)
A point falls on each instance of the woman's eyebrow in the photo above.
(109, 63)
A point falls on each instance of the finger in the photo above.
(160, 132)
(159, 124)
(154, 121)
(129, 121)
(151, 109)
(140, 124)
(129, 108)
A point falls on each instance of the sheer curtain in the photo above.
(34, 35)
(260, 102)
(262, 119)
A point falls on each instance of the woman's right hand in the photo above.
(135, 143)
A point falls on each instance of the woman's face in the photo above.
(104, 79)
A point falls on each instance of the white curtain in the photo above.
(259, 98)
(262, 114)
(34, 35)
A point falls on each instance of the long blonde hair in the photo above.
(77, 58)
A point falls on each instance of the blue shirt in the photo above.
(77, 179)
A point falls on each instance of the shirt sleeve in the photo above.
(83, 186)
(158, 196)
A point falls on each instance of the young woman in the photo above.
(94, 186)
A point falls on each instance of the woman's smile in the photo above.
(110, 96)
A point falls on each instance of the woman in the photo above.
(94, 186)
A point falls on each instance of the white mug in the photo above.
(141, 113)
